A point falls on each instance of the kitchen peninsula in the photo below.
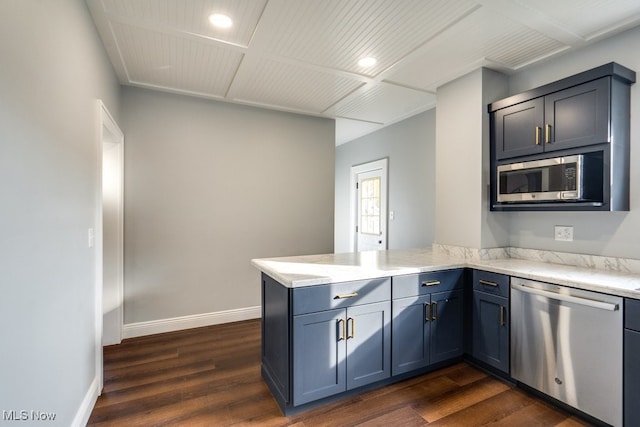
(336, 324)
(309, 270)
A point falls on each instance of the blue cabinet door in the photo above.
(411, 331)
(518, 129)
(341, 349)
(275, 338)
(578, 116)
(447, 335)
(631, 378)
(491, 330)
(319, 355)
(368, 343)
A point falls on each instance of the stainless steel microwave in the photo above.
(568, 178)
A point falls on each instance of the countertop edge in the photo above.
(623, 284)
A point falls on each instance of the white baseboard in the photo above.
(139, 329)
(86, 407)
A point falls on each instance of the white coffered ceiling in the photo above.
(302, 55)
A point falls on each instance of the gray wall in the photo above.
(53, 69)
(409, 145)
(598, 233)
(462, 159)
(208, 187)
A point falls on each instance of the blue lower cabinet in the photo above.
(631, 365)
(447, 326)
(427, 329)
(368, 344)
(490, 319)
(319, 355)
(411, 333)
(341, 349)
(631, 378)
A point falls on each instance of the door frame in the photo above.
(108, 132)
(383, 165)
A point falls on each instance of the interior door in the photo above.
(371, 210)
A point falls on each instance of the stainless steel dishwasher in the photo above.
(567, 343)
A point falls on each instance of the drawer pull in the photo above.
(343, 296)
(351, 331)
(431, 283)
(488, 283)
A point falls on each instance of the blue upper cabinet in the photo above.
(584, 114)
(518, 129)
(578, 116)
(574, 117)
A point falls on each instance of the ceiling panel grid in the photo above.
(588, 18)
(158, 59)
(266, 81)
(302, 55)
(336, 33)
(191, 16)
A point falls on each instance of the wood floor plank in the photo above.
(487, 411)
(533, 415)
(401, 417)
(461, 398)
(211, 377)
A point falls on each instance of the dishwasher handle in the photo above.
(567, 298)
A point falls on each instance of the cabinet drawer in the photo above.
(491, 283)
(426, 283)
(336, 295)
(632, 314)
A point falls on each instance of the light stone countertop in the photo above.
(310, 270)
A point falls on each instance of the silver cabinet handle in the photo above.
(431, 283)
(342, 330)
(488, 283)
(343, 296)
(351, 331)
(547, 133)
(427, 312)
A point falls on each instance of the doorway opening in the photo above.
(368, 201)
(109, 236)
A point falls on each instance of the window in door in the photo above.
(370, 206)
(368, 198)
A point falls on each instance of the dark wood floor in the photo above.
(211, 377)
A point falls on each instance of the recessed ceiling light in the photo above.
(369, 61)
(219, 20)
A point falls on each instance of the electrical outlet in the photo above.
(564, 233)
